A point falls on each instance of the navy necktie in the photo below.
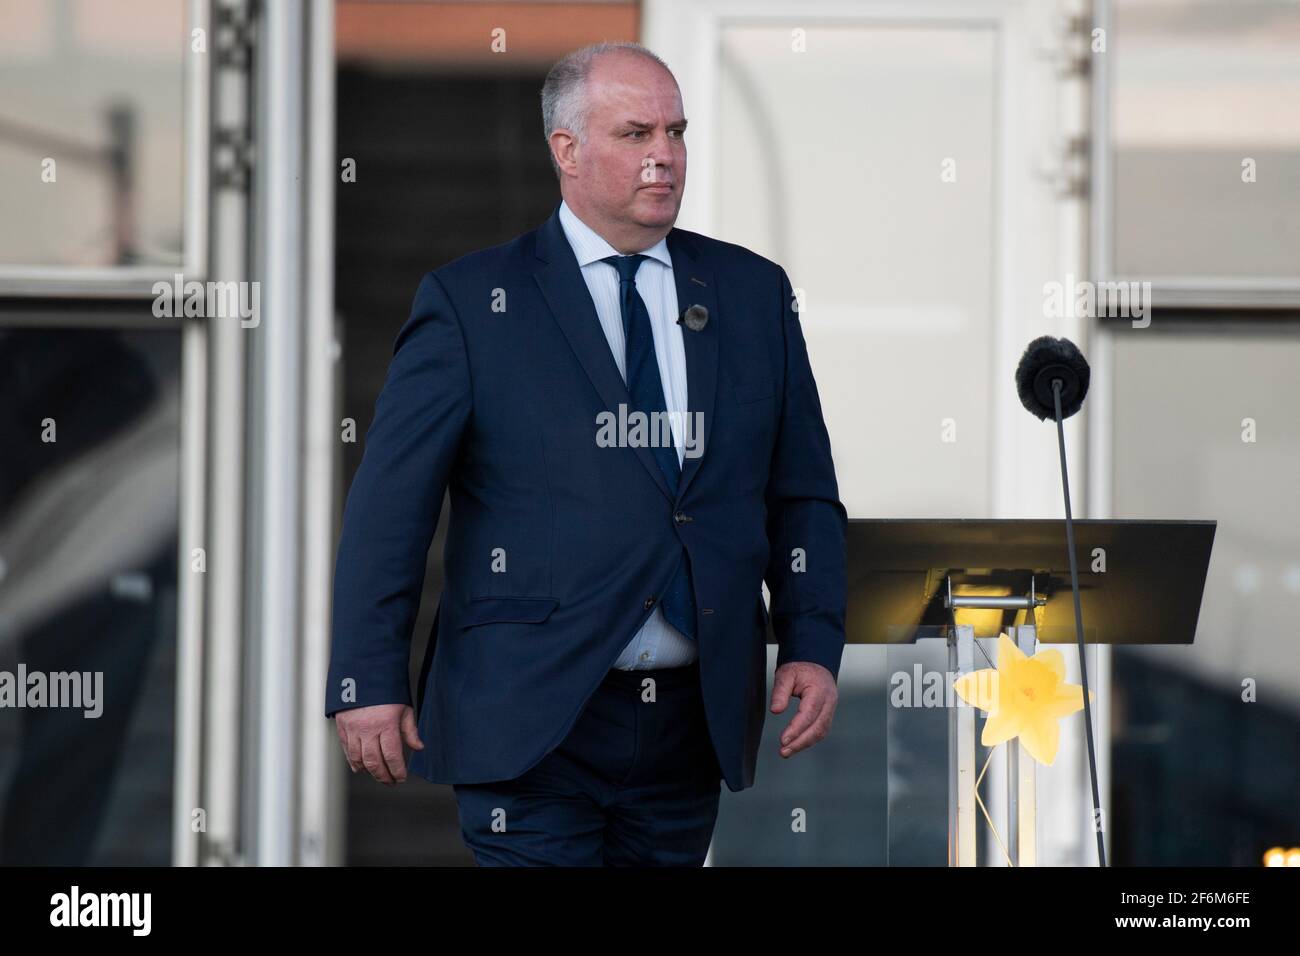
(647, 392)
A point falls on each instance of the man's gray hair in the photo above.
(564, 94)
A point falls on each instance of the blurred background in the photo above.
(923, 171)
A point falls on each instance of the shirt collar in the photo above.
(589, 246)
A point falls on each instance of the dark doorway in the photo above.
(445, 164)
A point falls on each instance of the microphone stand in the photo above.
(1078, 624)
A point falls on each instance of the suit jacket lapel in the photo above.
(566, 293)
(695, 286)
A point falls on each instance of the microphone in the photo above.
(1052, 381)
(1047, 359)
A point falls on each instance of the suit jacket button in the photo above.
(649, 603)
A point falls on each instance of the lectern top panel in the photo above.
(1140, 582)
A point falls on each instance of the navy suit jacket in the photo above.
(493, 392)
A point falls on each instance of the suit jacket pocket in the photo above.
(485, 610)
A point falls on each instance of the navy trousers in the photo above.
(635, 783)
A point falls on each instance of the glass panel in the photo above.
(917, 754)
(91, 132)
(826, 806)
(89, 482)
(1206, 752)
(1201, 86)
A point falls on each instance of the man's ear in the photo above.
(564, 146)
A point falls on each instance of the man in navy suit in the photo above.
(626, 418)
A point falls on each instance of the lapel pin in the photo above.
(694, 318)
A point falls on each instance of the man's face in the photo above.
(631, 171)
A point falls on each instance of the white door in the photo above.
(909, 164)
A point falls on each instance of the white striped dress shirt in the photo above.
(657, 643)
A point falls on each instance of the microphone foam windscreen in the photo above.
(1046, 358)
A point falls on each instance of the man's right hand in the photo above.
(372, 737)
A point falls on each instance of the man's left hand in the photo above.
(815, 687)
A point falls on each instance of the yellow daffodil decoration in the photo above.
(1024, 697)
